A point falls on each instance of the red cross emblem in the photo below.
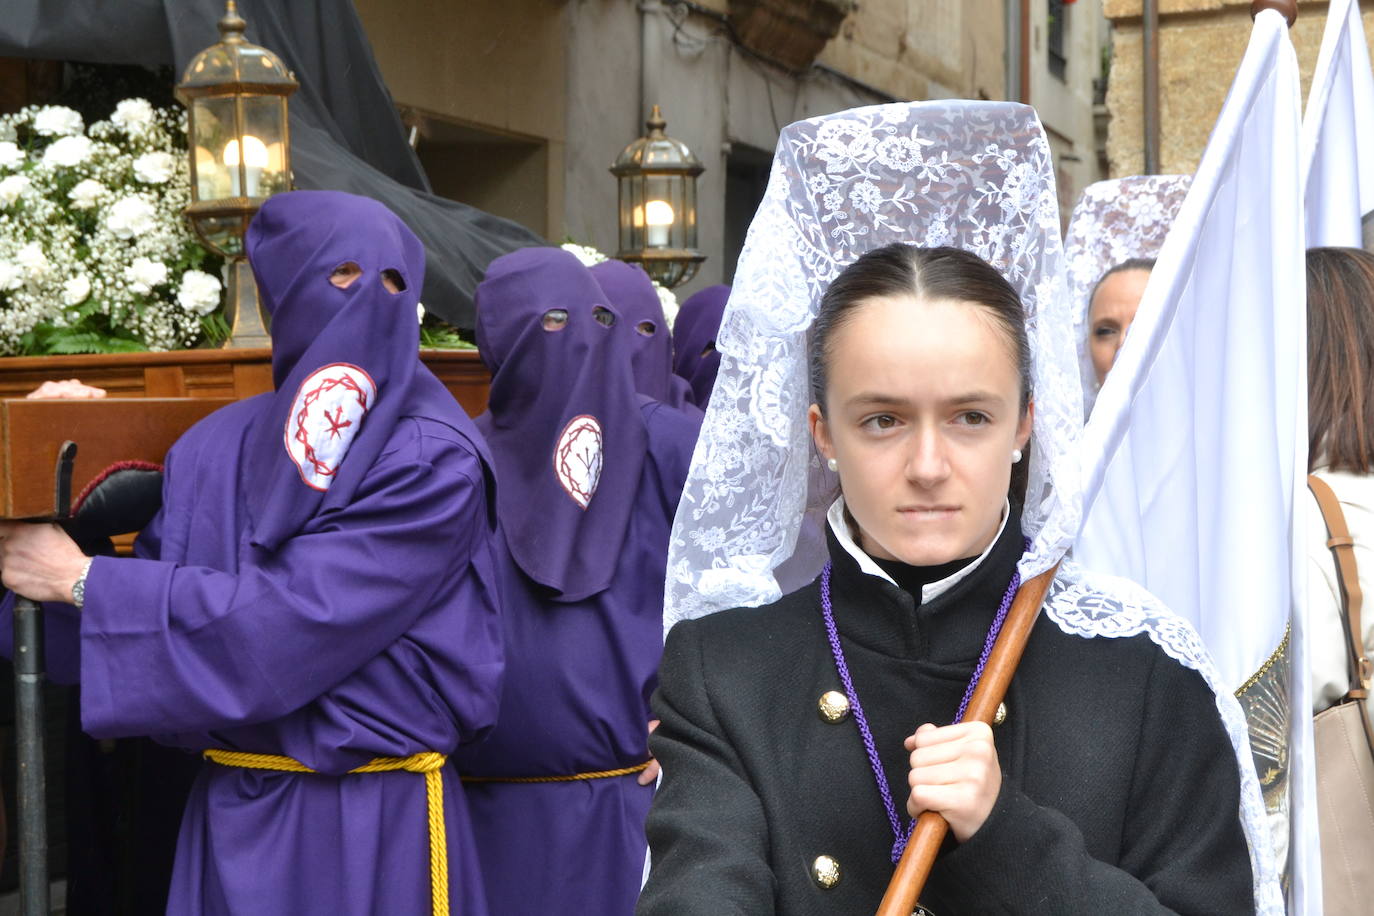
(325, 416)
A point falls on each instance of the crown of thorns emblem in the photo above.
(325, 416)
(577, 459)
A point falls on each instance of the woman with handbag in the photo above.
(1340, 370)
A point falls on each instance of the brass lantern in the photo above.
(658, 205)
(236, 93)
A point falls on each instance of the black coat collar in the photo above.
(949, 629)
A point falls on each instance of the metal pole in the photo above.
(32, 787)
(1150, 46)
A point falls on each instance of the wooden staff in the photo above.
(914, 867)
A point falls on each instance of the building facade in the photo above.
(1201, 43)
(520, 106)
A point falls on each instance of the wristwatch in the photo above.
(79, 588)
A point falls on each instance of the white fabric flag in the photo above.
(1338, 132)
(1199, 433)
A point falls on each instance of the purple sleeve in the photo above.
(167, 648)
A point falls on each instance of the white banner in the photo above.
(1338, 132)
(1196, 449)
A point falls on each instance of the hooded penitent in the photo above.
(320, 584)
(632, 293)
(694, 341)
(590, 473)
(563, 420)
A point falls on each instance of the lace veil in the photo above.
(976, 175)
(1113, 222)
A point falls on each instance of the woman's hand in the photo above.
(39, 561)
(67, 388)
(650, 773)
(954, 771)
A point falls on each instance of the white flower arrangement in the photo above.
(95, 254)
(590, 257)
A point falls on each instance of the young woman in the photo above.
(1115, 222)
(1111, 310)
(799, 739)
(1340, 372)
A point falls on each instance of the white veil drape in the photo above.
(975, 175)
(1114, 221)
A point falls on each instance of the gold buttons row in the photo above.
(834, 707)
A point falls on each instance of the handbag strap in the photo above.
(1347, 575)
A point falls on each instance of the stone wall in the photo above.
(1201, 43)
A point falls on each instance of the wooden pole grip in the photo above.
(919, 856)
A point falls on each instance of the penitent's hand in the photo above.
(650, 773)
(954, 770)
(67, 388)
(39, 561)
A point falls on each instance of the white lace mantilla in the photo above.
(1113, 222)
(975, 175)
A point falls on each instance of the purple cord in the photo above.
(827, 612)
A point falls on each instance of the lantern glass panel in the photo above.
(259, 65)
(662, 206)
(213, 65)
(224, 233)
(689, 213)
(263, 144)
(213, 120)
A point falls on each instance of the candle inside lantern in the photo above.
(254, 161)
(658, 219)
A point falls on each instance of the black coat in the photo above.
(1120, 792)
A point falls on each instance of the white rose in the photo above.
(668, 300)
(32, 259)
(11, 156)
(154, 168)
(199, 292)
(588, 255)
(131, 216)
(56, 121)
(143, 274)
(11, 276)
(12, 187)
(133, 116)
(67, 152)
(86, 194)
(75, 290)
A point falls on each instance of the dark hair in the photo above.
(1340, 358)
(1145, 264)
(930, 273)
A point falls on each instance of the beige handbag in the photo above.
(1345, 746)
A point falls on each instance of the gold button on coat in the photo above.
(1001, 715)
(833, 706)
(826, 871)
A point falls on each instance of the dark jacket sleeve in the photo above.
(1183, 849)
(708, 837)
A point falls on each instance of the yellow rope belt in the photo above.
(595, 774)
(429, 763)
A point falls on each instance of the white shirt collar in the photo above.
(930, 591)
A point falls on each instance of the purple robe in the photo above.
(580, 667)
(694, 341)
(368, 628)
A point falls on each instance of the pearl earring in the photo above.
(1015, 456)
(833, 464)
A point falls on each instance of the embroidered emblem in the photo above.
(325, 416)
(577, 458)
